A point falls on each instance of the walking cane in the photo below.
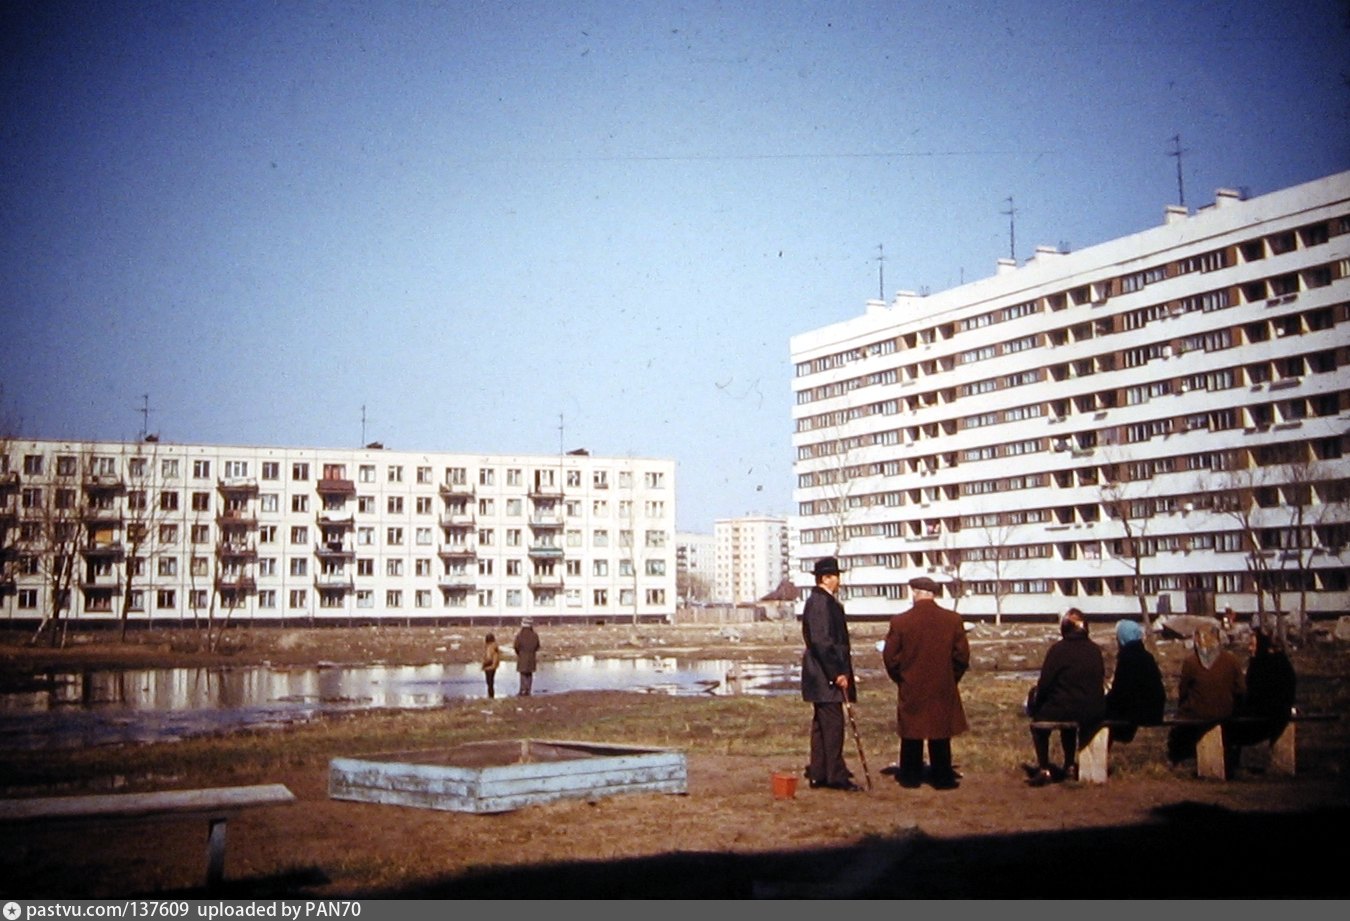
(848, 708)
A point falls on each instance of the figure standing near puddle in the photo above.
(492, 658)
(827, 678)
(526, 646)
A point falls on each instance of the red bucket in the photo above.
(784, 785)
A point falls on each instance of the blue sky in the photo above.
(473, 218)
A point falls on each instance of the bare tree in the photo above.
(1133, 514)
(52, 533)
(142, 518)
(1246, 494)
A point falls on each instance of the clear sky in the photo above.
(474, 218)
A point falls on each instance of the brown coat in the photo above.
(926, 653)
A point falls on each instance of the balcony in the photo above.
(237, 486)
(457, 583)
(101, 584)
(334, 487)
(103, 550)
(334, 550)
(542, 491)
(545, 580)
(545, 552)
(456, 491)
(334, 582)
(457, 551)
(240, 585)
(94, 515)
(331, 520)
(236, 550)
(240, 518)
(103, 483)
(458, 520)
(9, 481)
(546, 520)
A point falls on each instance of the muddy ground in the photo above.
(1151, 832)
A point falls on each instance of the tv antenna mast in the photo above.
(1012, 229)
(881, 272)
(144, 410)
(1177, 151)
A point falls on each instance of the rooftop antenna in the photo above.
(363, 425)
(145, 416)
(1012, 229)
(881, 272)
(1177, 151)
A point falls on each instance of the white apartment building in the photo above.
(751, 557)
(175, 532)
(1162, 414)
(695, 566)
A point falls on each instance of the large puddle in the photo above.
(75, 709)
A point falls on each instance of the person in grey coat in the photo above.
(526, 646)
(827, 678)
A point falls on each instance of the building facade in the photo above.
(163, 532)
(1159, 419)
(751, 557)
(695, 567)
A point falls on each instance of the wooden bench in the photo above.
(1093, 754)
(216, 804)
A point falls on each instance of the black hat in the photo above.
(826, 566)
(923, 584)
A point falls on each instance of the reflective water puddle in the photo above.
(74, 709)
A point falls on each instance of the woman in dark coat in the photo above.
(1137, 695)
(1270, 692)
(1070, 689)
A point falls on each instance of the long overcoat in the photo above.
(827, 654)
(526, 646)
(926, 653)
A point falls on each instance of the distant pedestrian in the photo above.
(526, 646)
(827, 678)
(492, 658)
(926, 652)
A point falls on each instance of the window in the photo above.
(167, 566)
(600, 538)
(423, 536)
(513, 567)
(393, 598)
(136, 467)
(299, 534)
(197, 599)
(395, 473)
(168, 501)
(267, 566)
(366, 473)
(168, 534)
(656, 596)
(65, 465)
(271, 470)
(200, 534)
(365, 505)
(486, 476)
(600, 479)
(300, 503)
(394, 505)
(424, 505)
(514, 508)
(424, 474)
(298, 598)
(166, 599)
(235, 469)
(168, 468)
(422, 566)
(393, 567)
(486, 537)
(201, 469)
(28, 598)
(299, 566)
(486, 507)
(600, 567)
(201, 502)
(299, 471)
(365, 536)
(513, 537)
(423, 598)
(513, 597)
(513, 476)
(394, 537)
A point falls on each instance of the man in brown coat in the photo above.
(926, 653)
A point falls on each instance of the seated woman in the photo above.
(1069, 690)
(1208, 691)
(1137, 695)
(1270, 692)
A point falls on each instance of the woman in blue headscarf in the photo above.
(1137, 695)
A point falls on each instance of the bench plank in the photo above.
(215, 801)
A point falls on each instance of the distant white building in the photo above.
(695, 566)
(172, 532)
(752, 557)
(1164, 414)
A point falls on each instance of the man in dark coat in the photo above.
(926, 652)
(827, 678)
(526, 646)
(1070, 689)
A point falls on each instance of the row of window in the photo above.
(67, 465)
(1099, 291)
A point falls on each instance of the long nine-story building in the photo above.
(160, 531)
(1162, 415)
